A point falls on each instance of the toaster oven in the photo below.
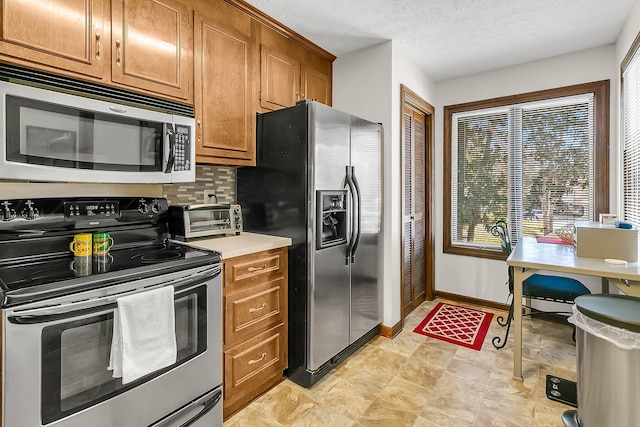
(192, 221)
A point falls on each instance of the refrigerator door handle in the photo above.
(354, 247)
(352, 192)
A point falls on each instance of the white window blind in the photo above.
(631, 129)
(531, 164)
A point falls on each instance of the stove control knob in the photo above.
(155, 207)
(236, 210)
(238, 224)
(143, 207)
(6, 212)
(30, 212)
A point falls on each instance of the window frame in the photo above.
(599, 89)
(633, 50)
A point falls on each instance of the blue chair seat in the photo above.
(538, 286)
(554, 288)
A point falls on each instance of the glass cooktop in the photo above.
(56, 269)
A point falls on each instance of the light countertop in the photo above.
(243, 244)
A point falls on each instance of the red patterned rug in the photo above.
(458, 325)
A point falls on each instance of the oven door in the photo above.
(60, 354)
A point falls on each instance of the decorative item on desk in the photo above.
(623, 224)
(565, 235)
(595, 240)
(608, 218)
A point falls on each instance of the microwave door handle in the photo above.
(172, 141)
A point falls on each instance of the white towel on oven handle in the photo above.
(144, 337)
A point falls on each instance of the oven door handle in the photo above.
(51, 314)
(208, 406)
(209, 401)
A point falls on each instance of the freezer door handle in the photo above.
(358, 221)
(352, 192)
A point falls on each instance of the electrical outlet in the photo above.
(209, 197)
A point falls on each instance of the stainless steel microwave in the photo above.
(53, 136)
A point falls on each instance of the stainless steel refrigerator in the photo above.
(318, 180)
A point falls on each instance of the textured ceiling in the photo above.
(451, 38)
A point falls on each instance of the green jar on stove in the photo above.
(102, 242)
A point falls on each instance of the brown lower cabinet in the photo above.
(255, 326)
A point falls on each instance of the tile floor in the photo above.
(414, 380)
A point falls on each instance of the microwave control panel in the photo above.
(182, 148)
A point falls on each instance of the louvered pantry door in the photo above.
(414, 219)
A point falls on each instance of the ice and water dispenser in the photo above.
(331, 218)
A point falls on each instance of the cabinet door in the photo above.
(279, 79)
(226, 63)
(67, 35)
(152, 47)
(315, 86)
(253, 367)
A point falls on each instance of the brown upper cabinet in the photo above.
(279, 79)
(316, 85)
(291, 73)
(69, 36)
(224, 57)
(238, 50)
(151, 45)
(226, 76)
(139, 45)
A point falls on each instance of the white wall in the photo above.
(483, 278)
(367, 83)
(628, 33)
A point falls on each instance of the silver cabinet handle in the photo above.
(253, 310)
(118, 52)
(251, 362)
(98, 47)
(262, 267)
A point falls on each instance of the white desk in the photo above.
(529, 257)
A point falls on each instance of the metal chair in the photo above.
(538, 286)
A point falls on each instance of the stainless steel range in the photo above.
(58, 319)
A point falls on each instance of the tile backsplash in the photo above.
(218, 180)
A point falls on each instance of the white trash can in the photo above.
(608, 361)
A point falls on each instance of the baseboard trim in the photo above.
(472, 301)
(551, 317)
(391, 332)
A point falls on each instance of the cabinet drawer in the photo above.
(254, 362)
(254, 311)
(252, 269)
